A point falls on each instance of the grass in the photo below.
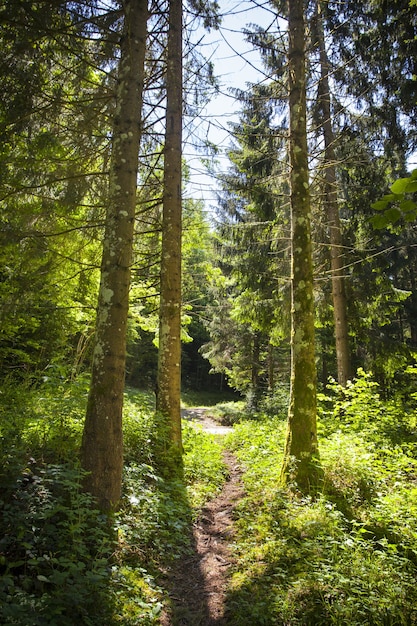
(58, 561)
(347, 557)
(191, 398)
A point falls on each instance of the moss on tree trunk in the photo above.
(102, 444)
(301, 450)
(169, 354)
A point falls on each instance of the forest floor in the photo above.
(198, 582)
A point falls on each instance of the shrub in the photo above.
(348, 557)
(54, 551)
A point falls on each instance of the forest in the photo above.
(208, 401)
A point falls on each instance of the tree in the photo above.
(331, 202)
(53, 135)
(301, 449)
(252, 248)
(169, 355)
(102, 444)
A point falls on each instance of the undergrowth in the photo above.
(61, 562)
(348, 557)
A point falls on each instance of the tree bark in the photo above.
(169, 356)
(102, 444)
(301, 449)
(335, 233)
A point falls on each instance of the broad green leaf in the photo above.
(379, 221)
(380, 205)
(392, 215)
(412, 186)
(400, 186)
(407, 205)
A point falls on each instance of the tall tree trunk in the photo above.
(301, 450)
(335, 234)
(271, 368)
(102, 444)
(169, 357)
(255, 391)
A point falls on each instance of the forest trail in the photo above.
(198, 583)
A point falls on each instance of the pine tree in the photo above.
(169, 359)
(332, 210)
(102, 445)
(301, 450)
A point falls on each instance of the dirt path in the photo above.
(198, 583)
(199, 416)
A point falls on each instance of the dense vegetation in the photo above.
(347, 556)
(61, 562)
(297, 296)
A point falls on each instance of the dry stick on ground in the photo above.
(198, 583)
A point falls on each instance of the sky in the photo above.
(235, 65)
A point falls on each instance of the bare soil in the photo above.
(198, 583)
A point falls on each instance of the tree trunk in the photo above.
(335, 235)
(102, 444)
(271, 368)
(301, 450)
(169, 357)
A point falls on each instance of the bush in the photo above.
(348, 557)
(54, 552)
(358, 408)
(229, 413)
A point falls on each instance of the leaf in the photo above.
(411, 216)
(407, 205)
(42, 578)
(392, 215)
(379, 205)
(379, 221)
(412, 186)
(400, 186)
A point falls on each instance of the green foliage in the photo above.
(229, 413)
(349, 556)
(190, 398)
(359, 408)
(275, 403)
(59, 562)
(55, 550)
(397, 205)
(43, 420)
(204, 468)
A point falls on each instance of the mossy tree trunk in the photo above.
(301, 450)
(102, 444)
(169, 355)
(332, 206)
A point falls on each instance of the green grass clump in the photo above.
(204, 468)
(229, 413)
(190, 398)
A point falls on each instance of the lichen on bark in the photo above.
(300, 464)
(102, 444)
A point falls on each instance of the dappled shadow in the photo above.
(197, 582)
